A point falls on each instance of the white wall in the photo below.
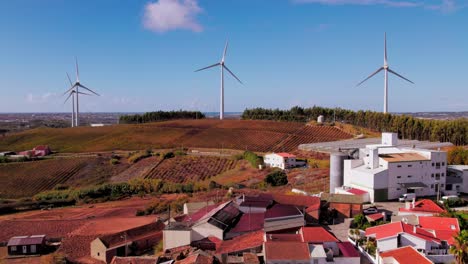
(347, 260)
(274, 160)
(203, 230)
(409, 240)
(176, 238)
(387, 243)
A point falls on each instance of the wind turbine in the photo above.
(223, 67)
(386, 70)
(72, 95)
(76, 87)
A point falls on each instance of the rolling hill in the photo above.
(261, 136)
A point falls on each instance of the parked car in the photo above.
(449, 198)
(370, 210)
(406, 197)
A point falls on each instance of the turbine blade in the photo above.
(211, 66)
(225, 50)
(399, 76)
(385, 47)
(84, 93)
(69, 80)
(233, 75)
(370, 76)
(86, 88)
(77, 70)
(68, 97)
(70, 89)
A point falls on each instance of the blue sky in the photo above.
(141, 55)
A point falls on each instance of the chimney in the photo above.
(414, 201)
(414, 229)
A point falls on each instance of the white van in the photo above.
(406, 197)
(449, 198)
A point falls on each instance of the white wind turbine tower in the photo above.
(222, 66)
(71, 95)
(386, 70)
(75, 87)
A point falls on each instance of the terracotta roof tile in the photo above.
(348, 250)
(317, 235)
(243, 242)
(282, 210)
(249, 222)
(287, 251)
(406, 255)
(424, 205)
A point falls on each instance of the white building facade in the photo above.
(282, 160)
(386, 172)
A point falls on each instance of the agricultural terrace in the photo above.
(183, 169)
(25, 179)
(255, 135)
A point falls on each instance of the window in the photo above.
(432, 186)
(98, 254)
(442, 185)
(437, 176)
(398, 189)
(399, 177)
(448, 187)
(399, 166)
(409, 176)
(33, 248)
(13, 248)
(432, 175)
(409, 165)
(443, 174)
(432, 164)
(443, 163)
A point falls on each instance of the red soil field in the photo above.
(261, 136)
(182, 169)
(78, 226)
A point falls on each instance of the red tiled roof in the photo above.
(207, 243)
(243, 242)
(257, 204)
(152, 229)
(356, 191)
(424, 205)
(439, 223)
(200, 213)
(375, 217)
(284, 237)
(386, 230)
(446, 236)
(406, 255)
(287, 251)
(26, 240)
(249, 222)
(134, 260)
(419, 232)
(286, 155)
(317, 235)
(310, 202)
(348, 250)
(196, 259)
(281, 210)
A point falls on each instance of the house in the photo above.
(212, 220)
(282, 160)
(309, 205)
(423, 207)
(283, 217)
(386, 171)
(376, 217)
(346, 205)
(403, 255)
(26, 245)
(42, 150)
(287, 252)
(132, 241)
(432, 237)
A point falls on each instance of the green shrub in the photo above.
(253, 158)
(277, 178)
(168, 155)
(114, 161)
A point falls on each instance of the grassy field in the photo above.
(259, 136)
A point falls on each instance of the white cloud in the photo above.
(166, 15)
(42, 98)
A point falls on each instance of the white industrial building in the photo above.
(282, 160)
(386, 171)
(457, 179)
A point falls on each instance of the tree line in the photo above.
(407, 127)
(160, 116)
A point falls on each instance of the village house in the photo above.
(432, 237)
(423, 207)
(133, 241)
(282, 161)
(346, 205)
(26, 245)
(403, 255)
